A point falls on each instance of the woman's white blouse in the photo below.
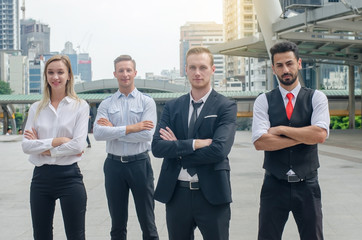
(69, 120)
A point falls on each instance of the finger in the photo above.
(35, 133)
(163, 137)
(169, 130)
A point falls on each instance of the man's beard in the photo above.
(288, 82)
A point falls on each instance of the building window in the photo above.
(248, 8)
(248, 26)
(248, 17)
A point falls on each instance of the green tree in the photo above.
(19, 118)
(5, 88)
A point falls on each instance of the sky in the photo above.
(148, 30)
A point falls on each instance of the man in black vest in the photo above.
(288, 123)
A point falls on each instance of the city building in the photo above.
(85, 67)
(73, 56)
(9, 25)
(35, 38)
(36, 81)
(81, 62)
(204, 34)
(18, 74)
(171, 74)
(239, 22)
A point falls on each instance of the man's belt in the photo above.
(127, 159)
(295, 178)
(189, 185)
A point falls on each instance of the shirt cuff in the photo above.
(256, 135)
(53, 152)
(48, 143)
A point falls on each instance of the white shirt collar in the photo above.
(295, 91)
(203, 99)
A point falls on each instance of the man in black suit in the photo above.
(194, 136)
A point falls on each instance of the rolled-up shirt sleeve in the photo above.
(320, 115)
(261, 122)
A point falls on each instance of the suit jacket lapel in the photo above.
(185, 115)
(209, 104)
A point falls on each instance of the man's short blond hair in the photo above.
(200, 50)
(124, 58)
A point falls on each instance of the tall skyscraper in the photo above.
(19, 69)
(36, 81)
(202, 34)
(85, 67)
(72, 54)
(35, 38)
(9, 25)
(81, 62)
(239, 22)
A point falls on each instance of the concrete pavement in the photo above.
(340, 178)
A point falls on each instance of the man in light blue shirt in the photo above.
(126, 122)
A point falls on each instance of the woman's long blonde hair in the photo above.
(69, 87)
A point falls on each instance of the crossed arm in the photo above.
(284, 136)
(38, 139)
(142, 131)
(279, 137)
(168, 135)
(133, 128)
(194, 152)
(33, 135)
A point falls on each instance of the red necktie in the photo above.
(289, 107)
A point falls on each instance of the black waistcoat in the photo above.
(302, 158)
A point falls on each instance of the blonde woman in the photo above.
(54, 137)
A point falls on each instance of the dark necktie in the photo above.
(289, 107)
(193, 119)
(192, 171)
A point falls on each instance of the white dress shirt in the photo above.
(69, 120)
(184, 175)
(261, 123)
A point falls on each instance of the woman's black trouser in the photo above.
(52, 182)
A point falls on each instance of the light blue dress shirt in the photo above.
(122, 110)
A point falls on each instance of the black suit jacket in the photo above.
(217, 120)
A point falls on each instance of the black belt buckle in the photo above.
(293, 178)
(194, 188)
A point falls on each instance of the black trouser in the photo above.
(279, 197)
(52, 182)
(137, 176)
(189, 209)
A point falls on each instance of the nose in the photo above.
(285, 69)
(197, 72)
